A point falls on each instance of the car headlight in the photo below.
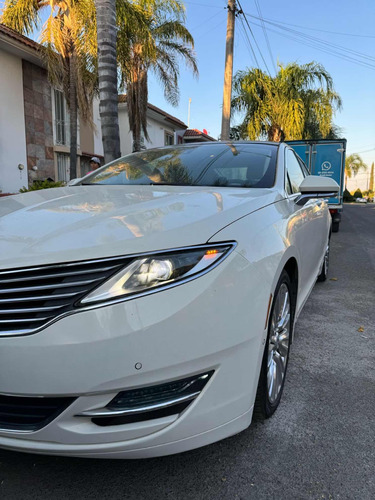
(151, 272)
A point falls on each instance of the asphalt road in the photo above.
(320, 444)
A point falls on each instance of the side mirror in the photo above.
(74, 182)
(317, 186)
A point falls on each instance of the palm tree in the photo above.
(297, 101)
(156, 45)
(107, 72)
(69, 51)
(353, 164)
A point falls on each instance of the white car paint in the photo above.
(215, 322)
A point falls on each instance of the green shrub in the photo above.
(347, 196)
(357, 194)
(42, 185)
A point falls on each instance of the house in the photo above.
(192, 135)
(34, 120)
(163, 129)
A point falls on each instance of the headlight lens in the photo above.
(147, 272)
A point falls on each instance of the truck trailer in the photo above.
(327, 158)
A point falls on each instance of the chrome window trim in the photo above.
(125, 298)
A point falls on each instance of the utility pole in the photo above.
(188, 121)
(228, 72)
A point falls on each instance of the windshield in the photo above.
(214, 164)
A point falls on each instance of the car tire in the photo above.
(335, 227)
(324, 273)
(276, 351)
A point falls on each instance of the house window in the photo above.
(168, 139)
(61, 119)
(63, 167)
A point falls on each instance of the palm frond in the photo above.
(22, 15)
(299, 101)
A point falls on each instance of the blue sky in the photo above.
(206, 19)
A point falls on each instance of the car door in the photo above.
(308, 231)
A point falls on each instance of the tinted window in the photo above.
(295, 173)
(217, 164)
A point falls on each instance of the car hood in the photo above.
(87, 222)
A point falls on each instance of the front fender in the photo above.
(266, 240)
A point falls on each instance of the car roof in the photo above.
(214, 143)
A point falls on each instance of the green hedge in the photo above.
(42, 185)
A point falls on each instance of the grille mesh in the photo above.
(31, 297)
(30, 414)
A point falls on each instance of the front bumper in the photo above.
(203, 325)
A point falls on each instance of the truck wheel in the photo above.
(335, 227)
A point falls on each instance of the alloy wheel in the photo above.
(278, 344)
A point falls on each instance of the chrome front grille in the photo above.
(32, 297)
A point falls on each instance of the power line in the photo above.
(265, 35)
(323, 31)
(313, 39)
(341, 33)
(221, 22)
(252, 34)
(204, 5)
(366, 151)
(205, 21)
(320, 45)
(247, 39)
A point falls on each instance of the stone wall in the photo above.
(38, 122)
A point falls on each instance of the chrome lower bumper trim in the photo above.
(106, 412)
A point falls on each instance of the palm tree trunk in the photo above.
(275, 134)
(73, 115)
(107, 69)
(137, 144)
(137, 96)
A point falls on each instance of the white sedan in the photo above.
(149, 309)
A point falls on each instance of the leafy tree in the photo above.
(69, 49)
(236, 133)
(357, 194)
(155, 45)
(295, 104)
(353, 164)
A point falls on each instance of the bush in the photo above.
(347, 196)
(357, 194)
(42, 185)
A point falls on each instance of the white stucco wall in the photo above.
(98, 144)
(12, 125)
(126, 139)
(156, 131)
(155, 128)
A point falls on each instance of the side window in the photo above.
(304, 168)
(294, 171)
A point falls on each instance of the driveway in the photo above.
(320, 444)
